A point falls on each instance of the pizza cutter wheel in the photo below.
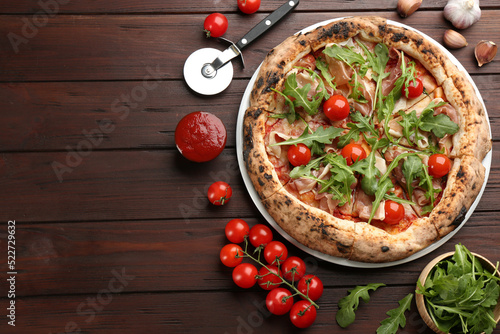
(209, 71)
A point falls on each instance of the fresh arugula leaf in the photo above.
(342, 178)
(364, 125)
(397, 199)
(412, 169)
(315, 141)
(349, 304)
(305, 170)
(347, 55)
(367, 168)
(357, 88)
(325, 72)
(460, 294)
(382, 188)
(300, 94)
(291, 116)
(396, 317)
(440, 125)
(377, 60)
(426, 182)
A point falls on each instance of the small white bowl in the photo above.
(423, 276)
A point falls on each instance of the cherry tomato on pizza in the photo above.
(244, 275)
(279, 301)
(229, 255)
(236, 230)
(260, 234)
(275, 252)
(268, 279)
(439, 165)
(215, 25)
(219, 193)
(299, 155)
(248, 6)
(315, 286)
(293, 268)
(394, 212)
(303, 314)
(352, 153)
(414, 89)
(336, 108)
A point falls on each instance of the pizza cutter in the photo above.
(209, 71)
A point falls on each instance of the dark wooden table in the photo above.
(113, 230)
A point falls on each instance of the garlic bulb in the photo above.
(462, 13)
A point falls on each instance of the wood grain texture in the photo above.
(124, 47)
(34, 112)
(178, 6)
(157, 253)
(139, 184)
(236, 312)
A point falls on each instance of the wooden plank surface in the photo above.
(34, 112)
(179, 6)
(158, 252)
(139, 184)
(124, 47)
(114, 232)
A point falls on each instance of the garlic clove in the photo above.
(454, 40)
(462, 13)
(408, 7)
(485, 51)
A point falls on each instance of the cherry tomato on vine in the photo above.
(415, 89)
(279, 301)
(315, 286)
(215, 25)
(275, 252)
(439, 165)
(303, 314)
(244, 275)
(293, 268)
(394, 212)
(299, 155)
(336, 108)
(228, 255)
(260, 235)
(269, 281)
(219, 193)
(352, 153)
(248, 6)
(236, 229)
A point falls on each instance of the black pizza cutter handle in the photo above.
(267, 23)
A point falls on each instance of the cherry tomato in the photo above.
(228, 255)
(215, 25)
(219, 193)
(244, 275)
(269, 281)
(353, 153)
(200, 136)
(439, 165)
(293, 268)
(303, 314)
(260, 235)
(299, 155)
(236, 230)
(414, 89)
(315, 286)
(279, 301)
(394, 212)
(248, 6)
(273, 250)
(336, 108)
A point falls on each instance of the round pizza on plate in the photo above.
(364, 141)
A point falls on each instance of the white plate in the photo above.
(245, 103)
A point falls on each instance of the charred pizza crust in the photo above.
(360, 241)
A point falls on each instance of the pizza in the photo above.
(364, 141)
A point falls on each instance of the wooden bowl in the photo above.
(422, 309)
